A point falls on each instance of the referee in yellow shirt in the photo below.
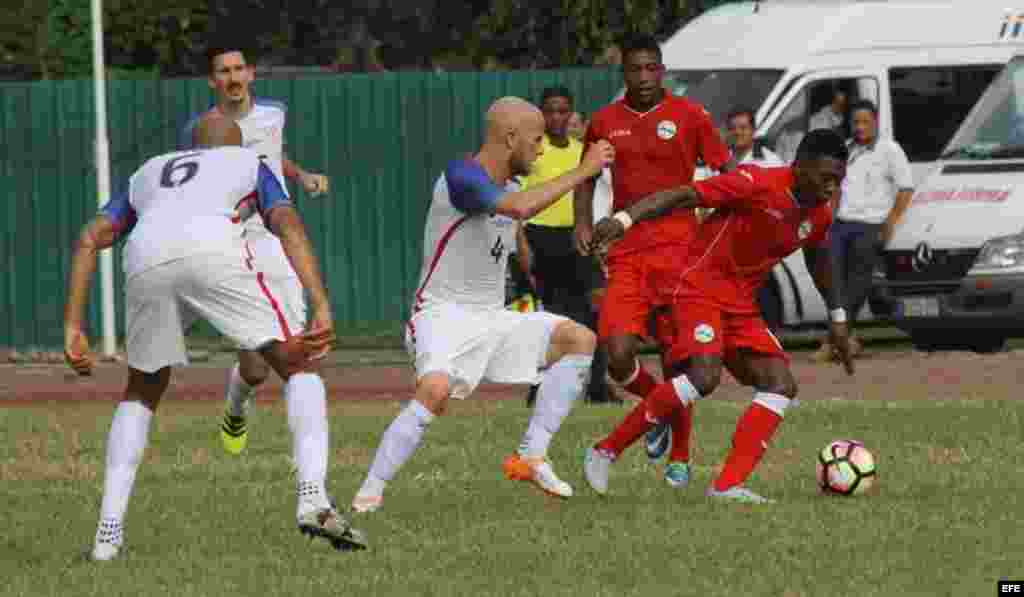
(562, 278)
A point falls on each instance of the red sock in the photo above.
(660, 403)
(643, 383)
(682, 426)
(753, 431)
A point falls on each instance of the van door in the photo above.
(803, 107)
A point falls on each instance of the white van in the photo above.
(924, 64)
(953, 274)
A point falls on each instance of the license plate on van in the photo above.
(921, 306)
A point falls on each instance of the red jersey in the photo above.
(757, 222)
(655, 151)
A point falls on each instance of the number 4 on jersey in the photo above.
(498, 250)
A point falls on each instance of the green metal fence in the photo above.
(382, 138)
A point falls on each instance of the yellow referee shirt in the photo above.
(555, 162)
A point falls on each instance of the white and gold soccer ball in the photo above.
(846, 467)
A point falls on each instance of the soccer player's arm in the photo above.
(822, 263)
(725, 190)
(115, 220)
(473, 192)
(583, 194)
(283, 220)
(313, 183)
(712, 148)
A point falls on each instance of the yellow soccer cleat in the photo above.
(234, 434)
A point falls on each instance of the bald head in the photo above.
(215, 130)
(510, 114)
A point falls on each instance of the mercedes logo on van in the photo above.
(922, 257)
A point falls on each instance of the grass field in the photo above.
(945, 521)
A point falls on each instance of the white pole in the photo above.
(103, 177)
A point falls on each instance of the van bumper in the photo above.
(989, 303)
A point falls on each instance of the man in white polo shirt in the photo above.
(876, 193)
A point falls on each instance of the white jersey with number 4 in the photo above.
(192, 202)
(465, 244)
(263, 132)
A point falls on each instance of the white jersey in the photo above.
(465, 244)
(192, 202)
(263, 132)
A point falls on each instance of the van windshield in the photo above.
(722, 90)
(994, 129)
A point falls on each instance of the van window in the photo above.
(930, 102)
(718, 90)
(813, 108)
(995, 127)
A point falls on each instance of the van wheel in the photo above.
(770, 301)
(931, 341)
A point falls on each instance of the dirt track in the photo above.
(880, 376)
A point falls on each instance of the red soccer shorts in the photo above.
(629, 299)
(703, 328)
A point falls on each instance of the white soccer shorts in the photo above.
(163, 302)
(469, 346)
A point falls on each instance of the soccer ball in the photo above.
(845, 467)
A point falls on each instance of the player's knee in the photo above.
(573, 338)
(147, 388)
(705, 375)
(776, 379)
(621, 357)
(781, 383)
(433, 391)
(253, 370)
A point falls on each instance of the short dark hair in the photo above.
(220, 48)
(742, 111)
(822, 143)
(640, 43)
(555, 91)
(864, 105)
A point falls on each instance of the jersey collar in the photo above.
(653, 109)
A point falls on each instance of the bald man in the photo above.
(460, 332)
(173, 278)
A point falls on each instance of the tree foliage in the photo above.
(53, 39)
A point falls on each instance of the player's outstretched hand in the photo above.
(76, 350)
(319, 338)
(315, 184)
(599, 155)
(607, 230)
(583, 235)
(840, 337)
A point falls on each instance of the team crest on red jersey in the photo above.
(667, 129)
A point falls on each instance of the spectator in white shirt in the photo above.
(877, 191)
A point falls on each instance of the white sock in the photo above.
(306, 398)
(685, 391)
(239, 393)
(398, 444)
(777, 403)
(561, 385)
(126, 444)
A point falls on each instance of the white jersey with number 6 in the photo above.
(262, 131)
(188, 202)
